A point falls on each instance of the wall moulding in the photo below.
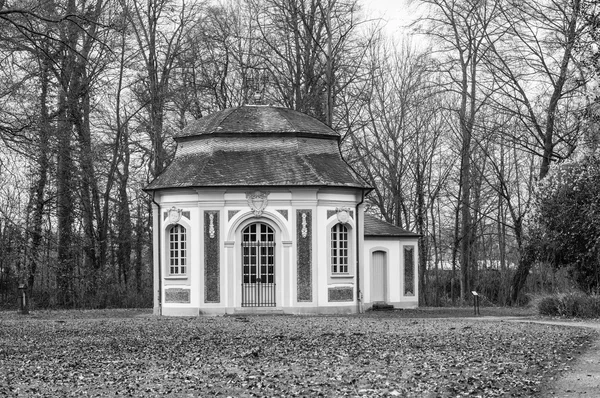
(175, 295)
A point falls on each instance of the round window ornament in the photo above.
(343, 214)
(174, 215)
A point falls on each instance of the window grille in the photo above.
(258, 266)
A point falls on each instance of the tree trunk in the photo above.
(64, 208)
(139, 247)
(124, 232)
(421, 215)
(35, 207)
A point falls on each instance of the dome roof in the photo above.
(257, 146)
(257, 119)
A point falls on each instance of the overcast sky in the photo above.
(397, 13)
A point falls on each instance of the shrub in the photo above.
(564, 229)
(548, 305)
(570, 305)
(590, 308)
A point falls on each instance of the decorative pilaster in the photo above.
(212, 266)
(304, 247)
(409, 271)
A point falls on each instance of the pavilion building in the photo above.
(258, 212)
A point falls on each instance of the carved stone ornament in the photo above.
(174, 215)
(304, 230)
(211, 226)
(257, 201)
(343, 214)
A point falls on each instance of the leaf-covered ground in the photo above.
(279, 356)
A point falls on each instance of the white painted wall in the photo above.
(394, 248)
(196, 201)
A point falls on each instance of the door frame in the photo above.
(385, 273)
(259, 293)
(234, 258)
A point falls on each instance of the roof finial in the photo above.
(255, 86)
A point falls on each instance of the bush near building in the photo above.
(579, 305)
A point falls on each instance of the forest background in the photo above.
(477, 127)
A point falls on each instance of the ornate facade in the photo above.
(259, 213)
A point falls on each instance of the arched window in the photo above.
(339, 249)
(177, 250)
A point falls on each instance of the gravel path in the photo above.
(583, 378)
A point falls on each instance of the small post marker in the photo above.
(23, 300)
(475, 302)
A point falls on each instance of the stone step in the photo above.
(382, 307)
(257, 311)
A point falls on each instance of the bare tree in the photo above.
(461, 29)
(159, 28)
(536, 70)
(309, 42)
(397, 146)
(533, 63)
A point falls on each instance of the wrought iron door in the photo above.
(258, 266)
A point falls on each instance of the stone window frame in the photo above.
(167, 251)
(179, 254)
(339, 256)
(351, 249)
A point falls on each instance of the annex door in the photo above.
(258, 266)
(378, 271)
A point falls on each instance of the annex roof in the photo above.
(375, 227)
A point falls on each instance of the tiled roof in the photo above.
(257, 146)
(376, 227)
(257, 119)
(254, 168)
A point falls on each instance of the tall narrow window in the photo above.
(409, 271)
(177, 250)
(339, 249)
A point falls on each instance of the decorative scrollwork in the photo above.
(257, 201)
(211, 225)
(304, 230)
(343, 214)
(174, 215)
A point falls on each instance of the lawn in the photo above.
(108, 353)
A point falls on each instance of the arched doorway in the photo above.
(378, 276)
(258, 266)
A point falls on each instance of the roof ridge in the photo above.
(228, 112)
(312, 169)
(281, 112)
